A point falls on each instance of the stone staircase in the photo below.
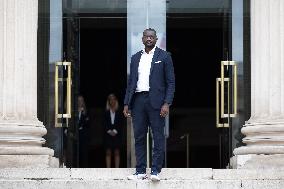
(172, 178)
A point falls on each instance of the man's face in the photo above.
(149, 38)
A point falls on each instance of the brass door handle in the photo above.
(234, 80)
(218, 82)
(68, 81)
(223, 81)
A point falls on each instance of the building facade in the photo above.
(52, 51)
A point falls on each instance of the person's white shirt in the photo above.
(112, 116)
(144, 70)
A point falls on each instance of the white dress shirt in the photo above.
(144, 70)
(112, 116)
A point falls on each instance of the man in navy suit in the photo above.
(149, 94)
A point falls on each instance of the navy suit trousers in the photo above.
(144, 116)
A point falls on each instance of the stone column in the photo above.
(264, 131)
(20, 130)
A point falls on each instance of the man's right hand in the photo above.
(126, 111)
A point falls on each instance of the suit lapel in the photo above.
(108, 116)
(136, 62)
(154, 59)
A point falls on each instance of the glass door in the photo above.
(65, 73)
(201, 35)
(58, 73)
(198, 34)
(233, 83)
(71, 53)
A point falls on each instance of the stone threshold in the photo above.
(172, 178)
(121, 173)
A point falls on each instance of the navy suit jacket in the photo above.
(161, 79)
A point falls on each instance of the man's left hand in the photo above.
(164, 110)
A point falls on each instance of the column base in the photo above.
(28, 161)
(259, 149)
(24, 150)
(257, 161)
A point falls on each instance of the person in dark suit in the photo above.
(149, 93)
(83, 126)
(113, 130)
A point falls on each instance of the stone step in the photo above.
(172, 178)
(120, 174)
(125, 184)
(101, 173)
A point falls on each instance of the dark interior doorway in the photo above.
(103, 70)
(196, 42)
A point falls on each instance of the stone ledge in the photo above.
(248, 174)
(25, 151)
(99, 173)
(263, 184)
(90, 174)
(34, 173)
(124, 184)
(100, 178)
(258, 161)
(121, 184)
(28, 161)
(167, 173)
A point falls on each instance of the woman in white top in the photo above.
(113, 127)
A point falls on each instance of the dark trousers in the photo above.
(144, 115)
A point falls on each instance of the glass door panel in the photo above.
(58, 64)
(201, 34)
(59, 43)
